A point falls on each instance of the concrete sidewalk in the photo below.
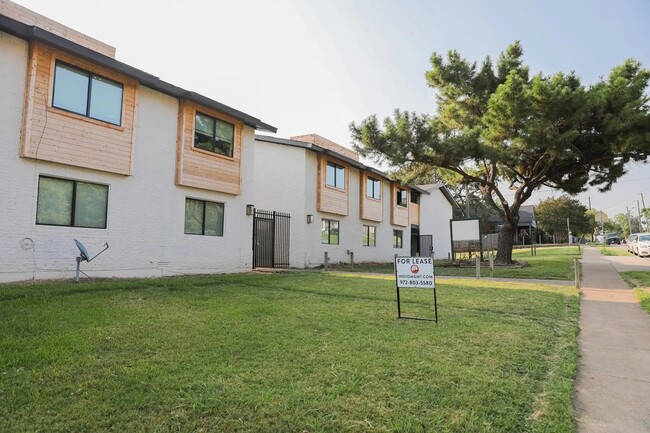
(613, 382)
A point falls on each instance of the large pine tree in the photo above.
(502, 130)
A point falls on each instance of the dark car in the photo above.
(613, 240)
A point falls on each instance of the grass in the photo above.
(550, 263)
(291, 352)
(639, 281)
(613, 251)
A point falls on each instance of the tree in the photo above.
(552, 215)
(501, 130)
(625, 224)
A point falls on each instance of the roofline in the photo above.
(318, 149)
(34, 33)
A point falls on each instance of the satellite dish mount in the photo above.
(84, 256)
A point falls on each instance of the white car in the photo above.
(630, 242)
(642, 245)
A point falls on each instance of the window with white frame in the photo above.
(87, 94)
(373, 188)
(203, 217)
(72, 203)
(335, 175)
(401, 197)
(213, 135)
(330, 232)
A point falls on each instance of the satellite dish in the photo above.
(84, 256)
(83, 252)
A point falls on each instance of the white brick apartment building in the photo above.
(339, 205)
(96, 150)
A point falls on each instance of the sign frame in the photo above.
(418, 279)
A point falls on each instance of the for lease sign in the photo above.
(414, 272)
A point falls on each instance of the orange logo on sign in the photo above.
(415, 269)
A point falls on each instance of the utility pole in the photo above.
(638, 209)
(647, 223)
(589, 203)
(568, 230)
(629, 224)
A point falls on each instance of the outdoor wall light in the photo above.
(310, 219)
(249, 209)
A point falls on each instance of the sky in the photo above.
(315, 66)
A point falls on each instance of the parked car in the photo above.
(641, 244)
(613, 240)
(630, 242)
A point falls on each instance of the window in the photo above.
(373, 188)
(87, 94)
(397, 239)
(330, 232)
(203, 217)
(71, 203)
(335, 175)
(401, 197)
(415, 197)
(369, 239)
(213, 135)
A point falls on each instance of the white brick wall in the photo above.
(435, 213)
(286, 181)
(145, 210)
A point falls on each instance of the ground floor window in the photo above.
(397, 238)
(369, 238)
(72, 203)
(203, 217)
(330, 232)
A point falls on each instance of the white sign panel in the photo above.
(414, 272)
(466, 230)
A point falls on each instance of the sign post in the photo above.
(415, 272)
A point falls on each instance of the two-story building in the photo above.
(339, 205)
(97, 150)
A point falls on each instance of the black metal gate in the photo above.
(270, 239)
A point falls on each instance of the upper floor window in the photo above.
(415, 197)
(63, 202)
(330, 232)
(373, 188)
(203, 217)
(335, 175)
(213, 135)
(401, 197)
(369, 238)
(85, 93)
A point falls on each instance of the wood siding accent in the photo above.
(330, 199)
(399, 215)
(200, 168)
(370, 208)
(52, 134)
(414, 213)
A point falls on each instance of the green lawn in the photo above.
(640, 282)
(290, 352)
(613, 251)
(550, 263)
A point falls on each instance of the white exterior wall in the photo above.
(286, 180)
(145, 222)
(435, 213)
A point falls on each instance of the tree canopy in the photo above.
(552, 215)
(508, 133)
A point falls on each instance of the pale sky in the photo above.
(314, 66)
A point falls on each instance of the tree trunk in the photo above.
(506, 240)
